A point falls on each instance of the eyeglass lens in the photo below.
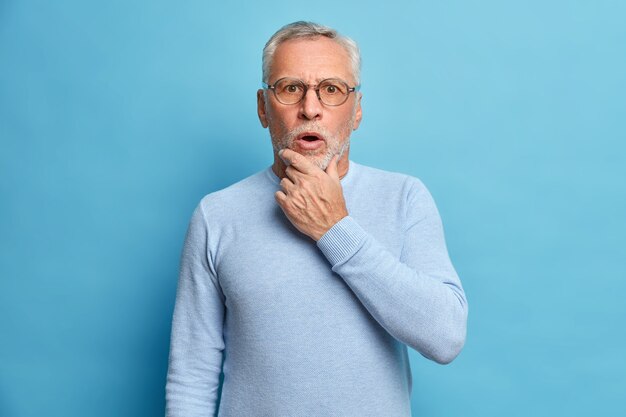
(331, 91)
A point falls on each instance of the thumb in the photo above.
(331, 169)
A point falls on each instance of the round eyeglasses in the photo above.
(331, 91)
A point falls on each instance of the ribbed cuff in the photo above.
(342, 240)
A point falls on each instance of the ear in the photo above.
(260, 107)
(358, 114)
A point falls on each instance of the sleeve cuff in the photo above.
(342, 240)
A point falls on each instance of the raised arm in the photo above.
(417, 298)
(197, 342)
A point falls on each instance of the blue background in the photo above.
(117, 117)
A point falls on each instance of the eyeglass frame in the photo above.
(272, 87)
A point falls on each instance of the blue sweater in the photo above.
(304, 328)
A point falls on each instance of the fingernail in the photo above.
(280, 155)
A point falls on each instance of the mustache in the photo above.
(309, 127)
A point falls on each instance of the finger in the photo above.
(331, 169)
(286, 185)
(299, 162)
(294, 175)
(281, 198)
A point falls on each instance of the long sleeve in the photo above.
(197, 342)
(417, 298)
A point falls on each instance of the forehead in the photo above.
(311, 60)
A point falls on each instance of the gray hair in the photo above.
(300, 30)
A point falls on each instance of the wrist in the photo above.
(324, 231)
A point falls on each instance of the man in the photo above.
(305, 282)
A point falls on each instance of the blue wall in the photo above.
(117, 117)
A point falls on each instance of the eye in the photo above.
(332, 88)
(291, 87)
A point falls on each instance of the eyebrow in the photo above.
(317, 80)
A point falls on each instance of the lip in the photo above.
(307, 145)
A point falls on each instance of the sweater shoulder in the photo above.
(396, 183)
(237, 197)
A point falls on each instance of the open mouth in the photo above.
(309, 141)
(310, 136)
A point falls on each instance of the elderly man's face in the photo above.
(310, 127)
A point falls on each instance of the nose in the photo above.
(311, 106)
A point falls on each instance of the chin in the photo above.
(321, 161)
(320, 157)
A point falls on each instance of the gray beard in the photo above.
(334, 146)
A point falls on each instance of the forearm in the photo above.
(424, 308)
(195, 352)
(192, 386)
(194, 368)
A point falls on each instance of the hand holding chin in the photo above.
(312, 199)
